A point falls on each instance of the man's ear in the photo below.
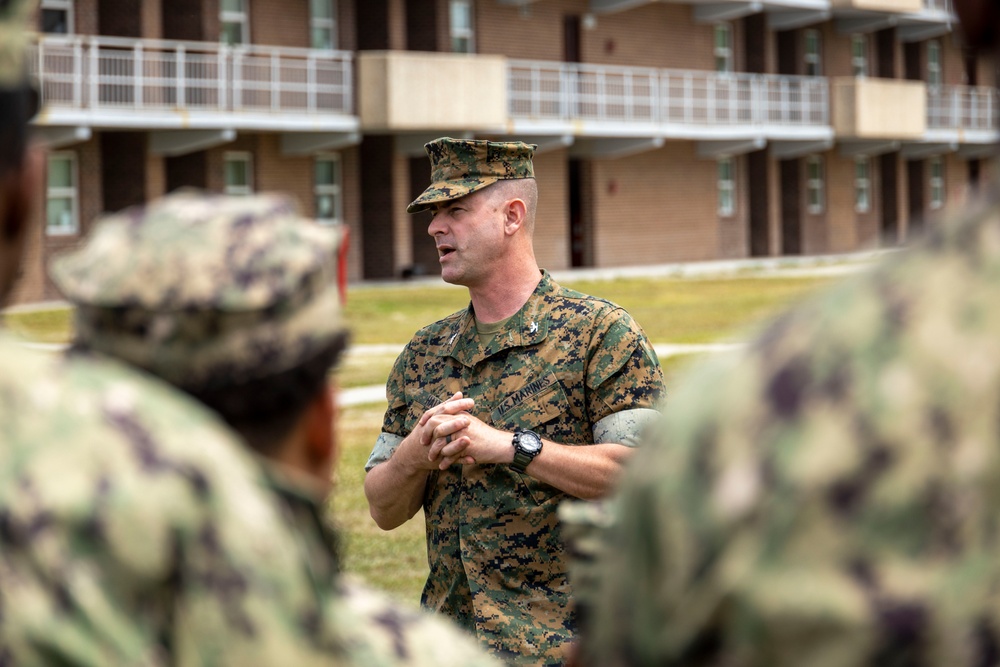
(321, 443)
(516, 214)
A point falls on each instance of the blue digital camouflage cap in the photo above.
(462, 166)
(197, 286)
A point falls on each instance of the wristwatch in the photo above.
(527, 444)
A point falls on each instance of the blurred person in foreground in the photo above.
(135, 527)
(236, 301)
(497, 413)
(831, 495)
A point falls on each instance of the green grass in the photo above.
(670, 311)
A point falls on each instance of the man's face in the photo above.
(469, 235)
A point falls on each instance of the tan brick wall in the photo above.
(156, 176)
(152, 19)
(401, 222)
(85, 17)
(837, 52)
(352, 211)
(279, 23)
(503, 29)
(842, 219)
(734, 229)
(552, 222)
(276, 172)
(655, 207)
(655, 35)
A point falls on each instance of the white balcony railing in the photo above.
(962, 108)
(94, 73)
(570, 91)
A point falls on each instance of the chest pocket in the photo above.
(538, 403)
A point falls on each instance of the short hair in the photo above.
(264, 410)
(525, 189)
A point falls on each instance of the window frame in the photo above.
(723, 54)
(237, 190)
(859, 62)
(241, 17)
(71, 192)
(936, 182)
(328, 25)
(468, 34)
(815, 185)
(725, 203)
(58, 5)
(935, 70)
(813, 60)
(335, 190)
(862, 184)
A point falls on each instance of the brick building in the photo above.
(667, 131)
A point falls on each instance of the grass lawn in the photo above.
(670, 311)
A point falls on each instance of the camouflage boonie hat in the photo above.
(462, 166)
(197, 288)
(14, 26)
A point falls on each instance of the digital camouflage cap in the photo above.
(196, 286)
(462, 166)
(14, 25)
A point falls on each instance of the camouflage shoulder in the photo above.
(381, 631)
(437, 333)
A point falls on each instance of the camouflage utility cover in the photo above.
(15, 16)
(830, 496)
(197, 286)
(562, 364)
(461, 166)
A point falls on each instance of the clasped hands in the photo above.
(452, 435)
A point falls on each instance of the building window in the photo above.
(238, 174)
(934, 77)
(936, 182)
(723, 48)
(56, 16)
(813, 56)
(814, 184)
(323, 23)
(61, 203)
(727, 185)
(862, 184)
(460, 21)
(235, 21)
(859, 55)
(329, 206)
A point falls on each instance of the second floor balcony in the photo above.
(588, 99)
(157, 84)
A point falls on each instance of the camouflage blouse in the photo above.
(575, 369)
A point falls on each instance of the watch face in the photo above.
(529, 442)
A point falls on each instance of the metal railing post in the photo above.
(95, 74)
(138, 75)
(180, 61)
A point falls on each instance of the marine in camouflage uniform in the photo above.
(828, 496)
(573, 368)
(222, 557)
